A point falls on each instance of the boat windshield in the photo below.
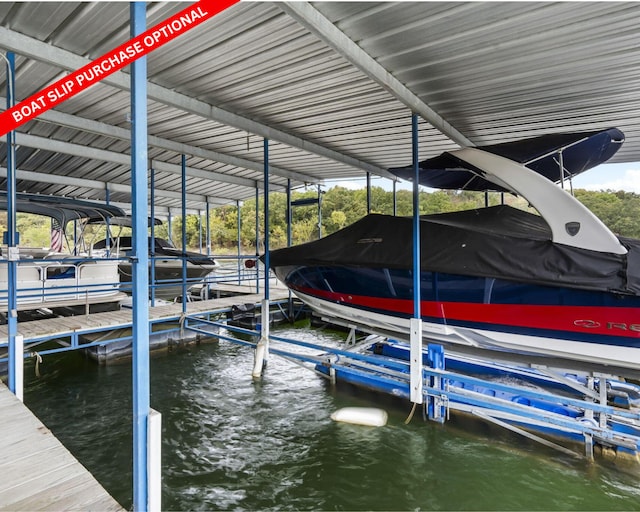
(125, 243)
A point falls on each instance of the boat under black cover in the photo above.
(494, 278)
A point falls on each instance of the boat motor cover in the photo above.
(497, 242)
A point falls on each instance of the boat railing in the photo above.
(242, 272)
(64, 278)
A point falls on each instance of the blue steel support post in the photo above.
(257, 240)
(107, 238)
(152, 244)
(289, 212)
(289, 240)
(368, 193)
(207, 223)
(319, 213)
(11, 239)
(416, 217)
(140, 278)
(183, 180)
(200, 230)
(239, 233)
(266, 218)
(416, 373)
(207, 238)
(262, 347)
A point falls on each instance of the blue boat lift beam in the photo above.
(542, 406)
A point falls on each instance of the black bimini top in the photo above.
(580, 152)
(63, 209)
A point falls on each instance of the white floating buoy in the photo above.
(369, 416)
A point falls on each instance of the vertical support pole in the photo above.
(319, 213)
(207, 289)
(435, 408)
(77, 249)
(368, 193)
(266, 219)
(183, 181)
(416, 373)
(200, 231)
(602, 393)
(19, 368)
(395, 198)
(140, 277)
(239, 237)
(262, 348)
(11, 239)
(170, 226)
(107, 237)
(154, 435)
(152, 247)
(208, 228)
(289, 214)
(257, 241)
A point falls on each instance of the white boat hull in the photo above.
(595, 353)
(61, 282)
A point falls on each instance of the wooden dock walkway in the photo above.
(38, 472)
(65, 326)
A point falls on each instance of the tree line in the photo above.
(339, 207)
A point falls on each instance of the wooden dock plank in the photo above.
(39, 473)
(65, 326)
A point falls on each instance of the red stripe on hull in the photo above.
(608, 321)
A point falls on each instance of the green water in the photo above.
(230, 443)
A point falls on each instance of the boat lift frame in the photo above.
(533, 412)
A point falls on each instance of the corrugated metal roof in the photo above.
(491, 71)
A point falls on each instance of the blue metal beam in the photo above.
(257, 240)
(319, 212)
(11, 236)
(239, 236)
(140, 278)
(416, 217)
(289, 213)
(152, 244)
(266, 217)
(208, 228)
(183, 183)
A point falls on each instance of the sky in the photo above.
(603, 177)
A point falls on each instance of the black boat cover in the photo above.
(580, 152)
(498, 242)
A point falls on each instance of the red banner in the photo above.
(111, 62)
